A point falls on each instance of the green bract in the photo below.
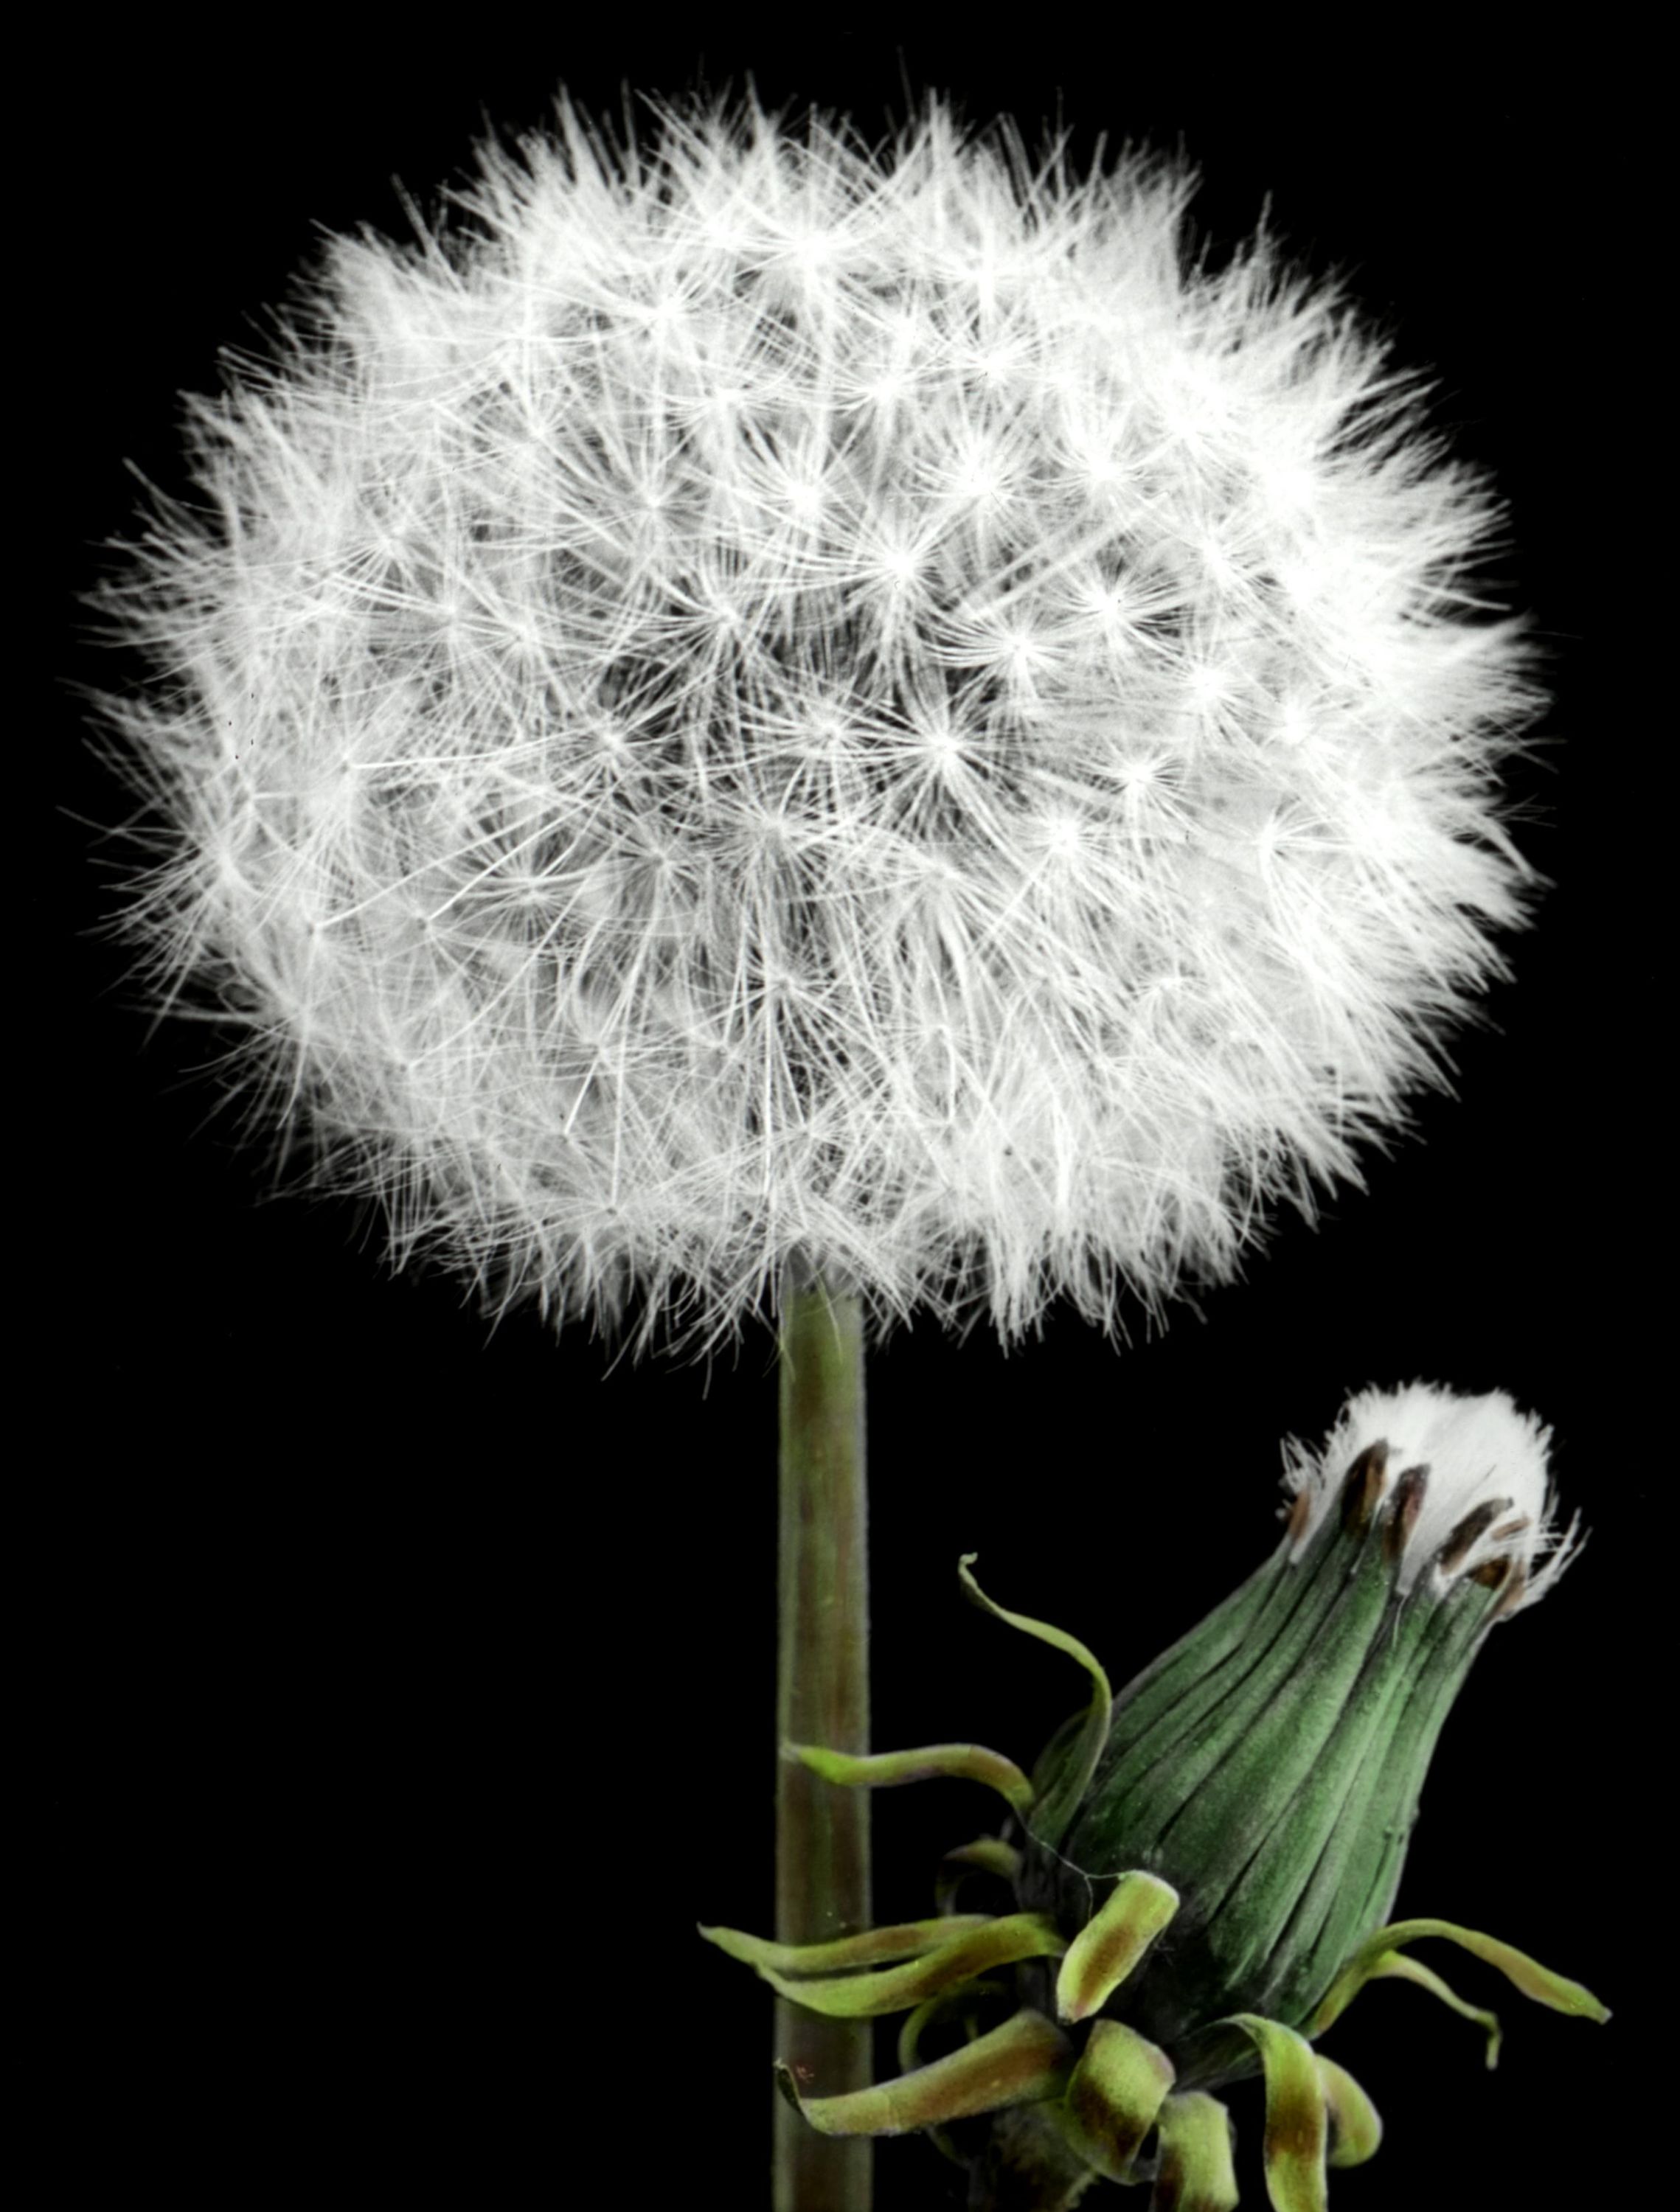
(1203, 1868)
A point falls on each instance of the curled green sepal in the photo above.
(1024, 2061)
(1114, 2094)
(1194, 2171)
(986, 1855)
(1396, 1965)
(1355, 2124)
(909, 1939)
(885, 1770)
(1000, 1942)
(1110, 1944)
(1052, 1813)
(1372, 1959)
(1297, 2118)
(965, 2005)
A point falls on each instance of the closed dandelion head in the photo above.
(1198, 1876)
(748, 701)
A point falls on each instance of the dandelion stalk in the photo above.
(822, 1696)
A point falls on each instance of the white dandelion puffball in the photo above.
(747, 701)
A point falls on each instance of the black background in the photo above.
(402, 1688)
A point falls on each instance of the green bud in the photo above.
(1203, 1867)
(1269, 1767)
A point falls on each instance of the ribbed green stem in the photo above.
(822, 1832)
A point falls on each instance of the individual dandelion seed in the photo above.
(1203, 1867)
(748, 701)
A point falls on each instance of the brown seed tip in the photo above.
(1299, 1514)
(1362, 1488)
(1516, 1590)
(1457, 1548)
(1405, 1506)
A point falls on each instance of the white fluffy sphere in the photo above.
(752, 701)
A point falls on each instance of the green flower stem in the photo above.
(822, 1833)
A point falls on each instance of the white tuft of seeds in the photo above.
(1486, 1496)
(752, 701)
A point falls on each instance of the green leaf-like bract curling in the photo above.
(1205, 1864)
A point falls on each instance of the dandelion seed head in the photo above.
(751, 700)
(1486, 1497)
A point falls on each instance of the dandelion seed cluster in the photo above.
(749, 699)
(1486, 1464)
